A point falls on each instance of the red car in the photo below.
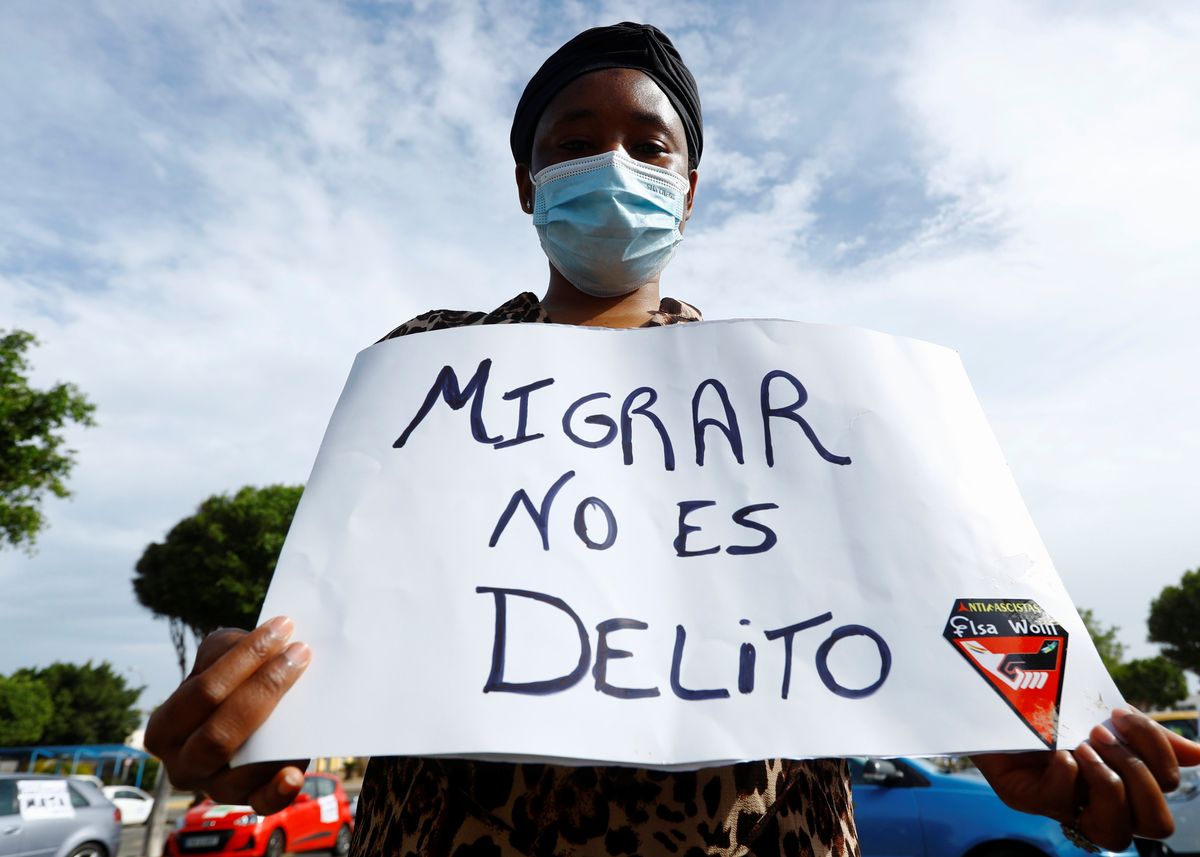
(318, 820)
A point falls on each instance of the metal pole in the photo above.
(156, 824)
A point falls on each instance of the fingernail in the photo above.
(281, 626)
(292, 780)
(1087, 751)
(1121, 713)
(298, 654)
(1101, 734)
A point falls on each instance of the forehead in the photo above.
(612, 93)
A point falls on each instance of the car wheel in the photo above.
(274, 845)
(90, 849)
(341, 846)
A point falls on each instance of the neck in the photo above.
(565, 304)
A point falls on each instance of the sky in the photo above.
(206, 209)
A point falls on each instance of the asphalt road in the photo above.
(133, 836)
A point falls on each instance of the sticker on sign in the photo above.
(1020, 651)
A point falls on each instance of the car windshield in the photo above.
(857, 763)
(945, 765)
(1187, 727)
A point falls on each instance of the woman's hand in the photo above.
(238, 679)
(1110, 789)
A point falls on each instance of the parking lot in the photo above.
(133, 836)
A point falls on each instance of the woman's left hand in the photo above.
(1110, 789)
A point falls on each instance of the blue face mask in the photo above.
(609, 223)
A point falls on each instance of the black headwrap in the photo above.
(625, 45)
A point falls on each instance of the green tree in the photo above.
(33, 460)
(213, 568)
(1151, 682)
(1175, 620)
(25, 709)
(91, 704)
(1111, 650)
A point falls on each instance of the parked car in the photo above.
(1185, 723)
(911, 808)
(318, 820)
(135, 804)
(43, 816)
(1185, 809)
(88, 778)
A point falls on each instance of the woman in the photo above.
(607, 138)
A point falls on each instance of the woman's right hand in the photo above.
(238, 679)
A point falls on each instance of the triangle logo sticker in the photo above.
(1019, 650)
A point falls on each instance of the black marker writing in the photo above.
(606, 653)
(789, 412)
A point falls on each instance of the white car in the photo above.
(135, 804)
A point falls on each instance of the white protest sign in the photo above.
(670, 547)
(40, 799)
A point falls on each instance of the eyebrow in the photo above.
(642, 116)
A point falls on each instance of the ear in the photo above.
(693, 177)
(524, 188)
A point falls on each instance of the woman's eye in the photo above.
(652, 149)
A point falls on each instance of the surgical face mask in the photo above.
(609, 223)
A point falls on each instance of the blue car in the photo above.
(911, 808)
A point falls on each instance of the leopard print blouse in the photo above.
(461, 808)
